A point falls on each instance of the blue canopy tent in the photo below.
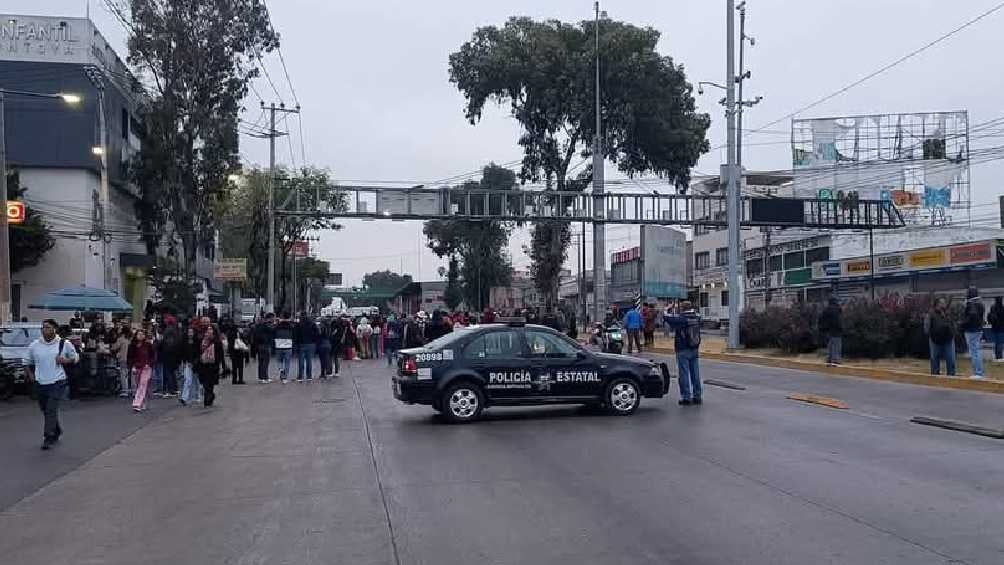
(82, 299)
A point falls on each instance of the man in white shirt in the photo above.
(46, 359)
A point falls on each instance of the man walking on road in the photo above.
(687, 342)
(996, 320)
(973, 314)
(940, 330)
(284, 346)
(831, 325)
(46, 359)
(633, 323)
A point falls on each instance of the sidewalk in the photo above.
(903, 370)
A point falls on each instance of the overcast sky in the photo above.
(377, 104)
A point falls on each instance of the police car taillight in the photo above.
(410, 367)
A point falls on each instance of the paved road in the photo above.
(337, 472)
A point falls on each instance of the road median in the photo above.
(851, 370)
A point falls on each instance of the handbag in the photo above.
(239, 345)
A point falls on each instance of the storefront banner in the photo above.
(826, 270)
(928, 258)
(857, 267)
(890, 263)
(972, 253)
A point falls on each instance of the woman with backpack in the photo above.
(940, 330)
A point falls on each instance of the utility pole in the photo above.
(96, 77)
(5, 284)
(271, 135)
(599, 212)
(732, 193)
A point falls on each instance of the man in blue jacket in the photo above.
(687, 342)
(632, 323)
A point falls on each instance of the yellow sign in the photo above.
(859, 267)
(928, 258)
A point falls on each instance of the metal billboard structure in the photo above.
(918, 161)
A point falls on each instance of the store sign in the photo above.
(858, 267)
(790, 246)
(44, 39)
(972, 253)
(826, 269)
(890, 263)
(627, 255)
(300, 249)
(230, 270)
(798, 276)
(664, 250)
(15, 212)
(927, 259)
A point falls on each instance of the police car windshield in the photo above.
(447, 339)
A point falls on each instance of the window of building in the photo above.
(725, 298)
(703, 300)
(125, 124)
(776, 263)
(721, 256)
(754, 267)
(702, 260)
(817, 254)
(794, 260)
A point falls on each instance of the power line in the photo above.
(883, 69)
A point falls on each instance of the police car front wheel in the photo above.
(462, 402)
(623, 397)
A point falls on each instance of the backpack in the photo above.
(692, 332)
(940, 330)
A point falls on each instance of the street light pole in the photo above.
(732, 192)
(599, 230)
(5, 280)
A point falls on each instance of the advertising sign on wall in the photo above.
(857, 267)
(927, 259)
(664, 251)
(890, 263)
(971, 253)
(230, 270)
(826, 270)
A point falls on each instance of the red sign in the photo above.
(627, 255)
(15, 212)
(300, 249)
(973, 253)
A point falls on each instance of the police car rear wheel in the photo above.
(462, 402)
(623, 397)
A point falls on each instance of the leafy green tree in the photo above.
(198, 57)
(243, 213)
(385, 280)
(544, 72)
(31, 240)
(479, 246)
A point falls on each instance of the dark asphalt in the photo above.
(339, 472)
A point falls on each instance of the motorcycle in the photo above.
(609, 338)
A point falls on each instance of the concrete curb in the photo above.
(982, 385)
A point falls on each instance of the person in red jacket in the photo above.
(140, 359)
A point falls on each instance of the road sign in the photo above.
(230, 270)
(15, 212)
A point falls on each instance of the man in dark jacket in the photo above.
(996, 320)
(831, 325)
(973, 314)
(262, 338)
(169, 356)
(308, 336)
(687, 343)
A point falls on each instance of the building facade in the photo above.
(51, 146)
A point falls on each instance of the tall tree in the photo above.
(198, 57)
(478, 246)
(243, 213)
(544, 72)
(385, 280)
(31, 240)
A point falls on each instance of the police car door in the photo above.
(558, 369)
(497, 356)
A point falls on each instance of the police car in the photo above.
(513, 364)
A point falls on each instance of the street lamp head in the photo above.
(72, 99)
